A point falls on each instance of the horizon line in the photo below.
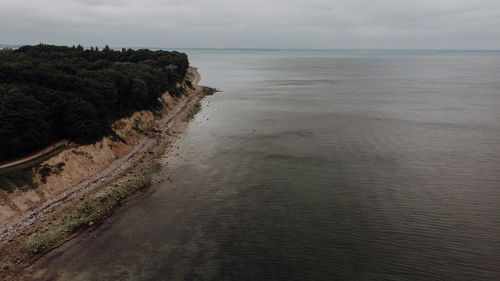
(2, 45)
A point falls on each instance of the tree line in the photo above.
(48, 93)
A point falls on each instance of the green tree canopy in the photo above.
(48, 93)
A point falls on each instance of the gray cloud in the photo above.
(452, 24)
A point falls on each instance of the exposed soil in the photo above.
(20, 227)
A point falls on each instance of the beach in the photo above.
(150, 146)
(317, 165)
(313, 165)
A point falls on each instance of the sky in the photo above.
(317, 24)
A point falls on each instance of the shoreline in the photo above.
(28, 237)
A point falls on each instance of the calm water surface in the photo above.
(321, 166)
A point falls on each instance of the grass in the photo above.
(17, 178)
(207, 91)
(21, 176)
(193, 111)
(95, 210)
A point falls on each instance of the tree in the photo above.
(81, 122)
(52, 92)
(23, 125)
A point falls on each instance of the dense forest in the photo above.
(49, 93)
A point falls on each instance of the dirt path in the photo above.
(28, 219)
(35, 155)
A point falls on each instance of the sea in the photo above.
(320, 165)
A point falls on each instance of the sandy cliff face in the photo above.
(82, 162)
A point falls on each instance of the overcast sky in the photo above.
(330, 24)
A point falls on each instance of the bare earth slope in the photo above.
(89, 168)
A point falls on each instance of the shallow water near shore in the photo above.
(319, 165)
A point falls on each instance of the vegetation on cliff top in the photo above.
(48, 93)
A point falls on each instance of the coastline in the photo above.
(28, 237)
